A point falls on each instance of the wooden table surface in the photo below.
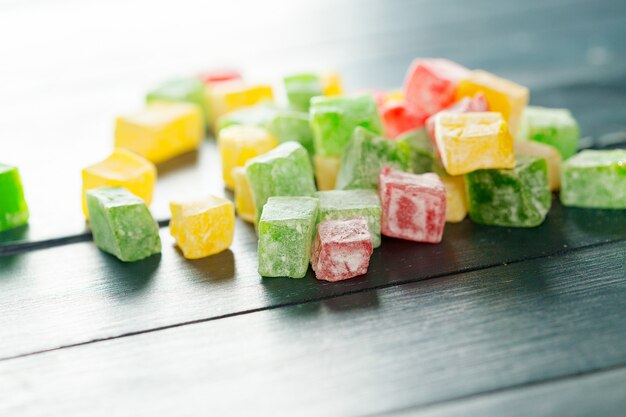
(491, 322)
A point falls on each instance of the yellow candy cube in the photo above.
(503, 96)
(331, 84)
(122, 169)
(227, 96)
(547, 152)
(394, 96)
(240, 143)
(470, 141)
(456, 197)
(243, 196)
(202, 227)
(326, 170)
(161, 131)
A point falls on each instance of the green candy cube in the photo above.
(13, 208)
(284, 171)
(349, 204)
(301, 88)
(122, 224)
(333, 120)
(517, 197)
(422, 150)
(189, 90)
(286, 230)
(554, 127)
(595, 179)
(366, 154)
(288, 125)
(259, 115)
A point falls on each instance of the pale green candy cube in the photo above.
(301, 88)
(423, 155)
(366, 154)
(13, 208)
(595, 179)
(188, 90)
(333, 120)
(259, 115)
(121, 224)
(350, 204)
(284, 171)
(290, 125)
(554, 127)
(286, 229)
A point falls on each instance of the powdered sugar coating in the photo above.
(414, 206)
(342, 249)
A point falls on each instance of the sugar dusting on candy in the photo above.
(414, 206)
(342, 249)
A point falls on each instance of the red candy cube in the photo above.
(399, 118)
(414, 206)
(430, 85)
(342, 249)
(477, 103)
(218, 76)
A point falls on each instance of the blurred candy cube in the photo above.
(326, 170)
(364, 157)
(399, 118)
(224, 97)
(13, 208)
(161, 131)
(430, 84)
(550, 154)
(187, 90)
(243, 195)
(554, 127)
(595, 179)
(503, 96)
(121, 169)
(238, 144)
(422, 152)
(333, 120)
(289, 125)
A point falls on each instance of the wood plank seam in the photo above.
(319, 299)
(496, 391)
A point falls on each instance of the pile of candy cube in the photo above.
(324, 175)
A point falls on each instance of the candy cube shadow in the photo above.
(366, 300)
(8, 264)
(129, 279)
(181, 161)
(283, 290)
(14, 235)
(597, 221)
(218, 267)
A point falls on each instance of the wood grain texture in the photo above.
(597, 394)
(406, 346)
(103, 73)
(75, 293)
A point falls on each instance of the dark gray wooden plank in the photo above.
(75, 293)
(365, 353)
(597, 394)
(75, 109)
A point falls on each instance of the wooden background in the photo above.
(493, 321)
